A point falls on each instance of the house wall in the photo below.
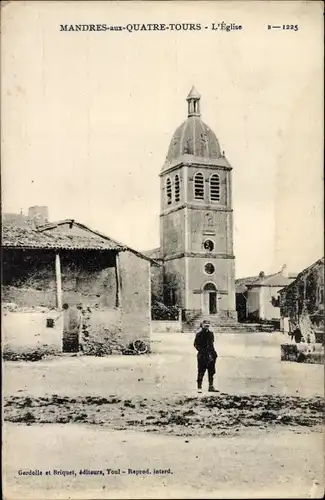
(88, 279)
(27, 330)
(267, 310)
(135, 298)
(253, 303)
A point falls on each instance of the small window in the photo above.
(169, 191)
(177, 188)
(208, 245)
(209, 268)
(199, 186)
(215, 187)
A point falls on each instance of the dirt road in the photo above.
(251, 465)
(259, 437)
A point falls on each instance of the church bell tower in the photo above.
(196, 221)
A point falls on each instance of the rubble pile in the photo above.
(215, 414)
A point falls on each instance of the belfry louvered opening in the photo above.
(215, 187)
(177, 188)
(199, 186)
(168, 191)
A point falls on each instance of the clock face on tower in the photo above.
(208, 245)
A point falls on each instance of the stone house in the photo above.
(257, 297)
(47, 266)
(304, 297)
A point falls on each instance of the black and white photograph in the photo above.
(162, 249)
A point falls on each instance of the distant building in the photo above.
(304, 297)
(257, 297)
(196, 224)
(48, 265)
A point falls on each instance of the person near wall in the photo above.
(206, 355)
(71, 327)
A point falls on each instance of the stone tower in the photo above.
(196, 227)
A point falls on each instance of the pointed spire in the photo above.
(193, 94)
(193, 100)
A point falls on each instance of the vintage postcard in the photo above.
(162, 249)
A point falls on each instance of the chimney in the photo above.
(39, 215)
(284, 271)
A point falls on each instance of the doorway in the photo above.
(209, 305)
(212, 303)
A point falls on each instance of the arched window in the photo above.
(177, 188)
(169, 190)
(210, 287)
(215, 187)
(199, 186)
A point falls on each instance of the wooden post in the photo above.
(58, 282)
(118, 280)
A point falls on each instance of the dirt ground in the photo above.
(260, 436)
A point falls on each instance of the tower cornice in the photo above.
(200, 255)
(196, 206)
(195, 161)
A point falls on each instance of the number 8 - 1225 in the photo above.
(293, 27)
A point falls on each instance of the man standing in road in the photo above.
(206, 355)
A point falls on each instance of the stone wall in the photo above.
(89, 279)
(101, 332)
(86, 280)
(135, 297)
(166, 326)
(212, 225)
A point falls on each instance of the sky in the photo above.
(87, 117)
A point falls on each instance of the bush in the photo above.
(164, 313)
(96, 348)
(33, 354)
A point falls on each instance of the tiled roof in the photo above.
(277, 279)
(46, 236)
(241, 283)
(27, 237)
